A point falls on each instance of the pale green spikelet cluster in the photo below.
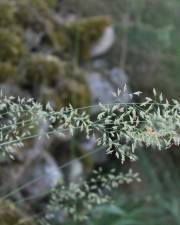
(119, 127)
(19, 117)
(154, 122)
(78, 199)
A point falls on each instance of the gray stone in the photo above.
(90, 145)
(75, 171)
(102, 85)
(104, 43)
(12, 89)
(46, 174)
(33, 39)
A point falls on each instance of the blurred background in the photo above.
(78, 52)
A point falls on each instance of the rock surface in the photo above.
(75, 171)
(102, 86)
(46, 174)
(99, 157)
(104, 43)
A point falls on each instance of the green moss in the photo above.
(51, 3)
(85, 33)
(43, 4)
(50, 95)
(73, 88)
(60, 39)
(11, 46)
(30, 12)
(7, 71)
(69, 40)
(23, 15)
(7, 11)
(38, 68)
(27, 15)
(75, 93)
(75, 39)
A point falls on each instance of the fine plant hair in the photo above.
(120, 128)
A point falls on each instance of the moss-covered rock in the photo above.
(68, 40)
(28, 14)
(74, 89)
(75, 39)
(74, 93)
(60, 40)
(39, 69)
(42, 4)
(84, 33)
(31, 12)
(11, 46)
(23, 15)
(50, 95)
(52, 3)
(7, 11)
